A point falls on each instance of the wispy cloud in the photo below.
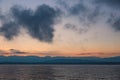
(14, 51)
(91, 12)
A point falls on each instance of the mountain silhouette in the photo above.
(58, 60)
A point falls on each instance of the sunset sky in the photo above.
(60, 28)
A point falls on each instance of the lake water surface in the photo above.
(59, 72)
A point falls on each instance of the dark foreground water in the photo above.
(59, 72)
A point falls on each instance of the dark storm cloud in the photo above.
(86, 16)
(116, 25)
(38, 23)
(85, 13)
(9, 30)
(77, 9)
(0, 14)
(114, 20)
(110, 3)
(90, 16)
(93, 16)
(73, 9)
(62, 3)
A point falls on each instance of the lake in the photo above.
(59, 72)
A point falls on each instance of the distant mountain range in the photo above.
(58, 60)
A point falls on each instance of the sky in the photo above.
(74, 28)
